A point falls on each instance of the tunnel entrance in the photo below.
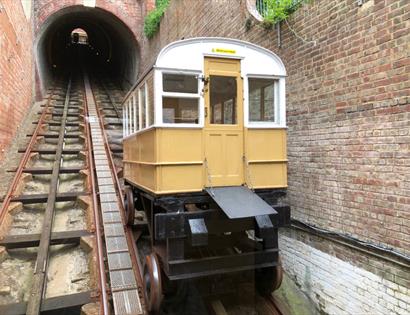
(108, 46)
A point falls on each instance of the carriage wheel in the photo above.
(129, 205)
(268, 280)
(152, 283)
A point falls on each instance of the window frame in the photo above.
(279, 103)
(159, 94)
(132, 125)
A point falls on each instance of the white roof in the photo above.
(188, 54)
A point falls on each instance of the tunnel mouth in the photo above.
(91, 38)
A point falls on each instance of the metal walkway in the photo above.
(123, 283)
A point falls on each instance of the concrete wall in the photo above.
(348, 110)
(16, 68)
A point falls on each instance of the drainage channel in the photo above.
(121, 266)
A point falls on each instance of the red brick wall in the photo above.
(347, 104)
(16, 69)
(128, 11)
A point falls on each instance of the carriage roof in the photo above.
(188, 54)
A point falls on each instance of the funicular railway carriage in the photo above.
(205, 158)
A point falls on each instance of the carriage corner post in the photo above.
(205, 160)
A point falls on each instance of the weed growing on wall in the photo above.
(153, 19)
(274, 11)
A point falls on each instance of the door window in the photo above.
(223, 102)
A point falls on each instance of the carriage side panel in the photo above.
(267, 161)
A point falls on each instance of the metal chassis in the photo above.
(175, 232)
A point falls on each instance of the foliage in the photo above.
(274, 11)
(153, 19)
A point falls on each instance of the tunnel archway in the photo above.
(112, 48)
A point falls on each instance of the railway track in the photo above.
(63, 238)
(60, 221)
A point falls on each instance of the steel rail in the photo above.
(101, 267)
(25, 158)
(110, 98)
(40, 269)
(128, 231)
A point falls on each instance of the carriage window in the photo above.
(130, 118)
(178, 110)
(179, 83)
(136, 113)
(262, 100)
(223, 100)
(142, 104)
(150, 101)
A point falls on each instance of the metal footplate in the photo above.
(240, 202)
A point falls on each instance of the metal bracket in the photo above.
(199, 232)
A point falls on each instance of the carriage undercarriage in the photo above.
(193, 238)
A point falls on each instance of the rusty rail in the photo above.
(125, 279)
(130, 238)
(40, 269)
(24, 160)
(37, 301)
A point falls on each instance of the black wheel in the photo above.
(152, 283)
(129, 205)
(269, 279)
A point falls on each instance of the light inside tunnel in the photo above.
(108, 46)
(79, 36)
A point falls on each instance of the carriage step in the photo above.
(240, 202)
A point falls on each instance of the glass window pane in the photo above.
(179, 83)
(262, 100)
(223, 99)
(142, 106)
(180, 110)
(150, 91)
(136, 112)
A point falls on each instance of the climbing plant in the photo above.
(274, 11)
(153, 19)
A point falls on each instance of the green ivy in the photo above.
(153, 19)
(274, 11)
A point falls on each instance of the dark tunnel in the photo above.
(111, 47)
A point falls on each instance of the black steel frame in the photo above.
(178, 234)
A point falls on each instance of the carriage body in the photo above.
(204, 135)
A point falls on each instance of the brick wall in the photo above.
(348, 113)
(348, 106)
(16, 69)
(338, 286)
(128, 11)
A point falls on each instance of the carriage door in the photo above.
(223, 122)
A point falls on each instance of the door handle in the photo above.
(206, 112)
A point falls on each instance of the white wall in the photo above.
(337, 287)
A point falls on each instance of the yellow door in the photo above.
(223, 122)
